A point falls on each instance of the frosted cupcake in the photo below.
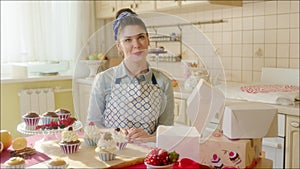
(120, 138)
(57, 163)
(15, 162)
(69, 143)
(49, 117)
(31, 120)
(91, 134)
(63, 113)
(106, 147)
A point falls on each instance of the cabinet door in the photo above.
(164, 5)
(84, 97)
(105, 9)
(180, 117)
(125, 4)
(144, 6)
(292, 142)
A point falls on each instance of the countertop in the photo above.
(36, 78)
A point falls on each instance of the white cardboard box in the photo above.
(202, 105)
(250, 120)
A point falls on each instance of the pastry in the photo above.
(49, 117)
(31, 120)
(69, 143)
(15, 162)
(120, 138)
(63, 113)
(216, 162)
(57, 163)
(91, 134)
(106, 147)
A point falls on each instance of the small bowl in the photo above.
(149, 166)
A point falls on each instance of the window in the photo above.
(44, 30)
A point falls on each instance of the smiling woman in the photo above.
(44, 30)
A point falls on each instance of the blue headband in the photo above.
(118, 20)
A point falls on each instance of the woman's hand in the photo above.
(139, 135)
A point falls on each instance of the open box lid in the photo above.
(204, 103)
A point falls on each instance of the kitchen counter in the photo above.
(35, 78)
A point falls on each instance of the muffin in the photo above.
(120, 138)
(15, 162)
(49, 117)
(69, 143)
(57, 163)
(91, 134)
(31, 120)
(106, 147)
(63, 113)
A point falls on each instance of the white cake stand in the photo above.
(94, 66)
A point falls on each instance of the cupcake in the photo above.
(216, 162)
(49, 117)
(106, 147)
(57, 163)
(63, 113)
(91, 134)
(15, 162)
(69, 143)
(234, 157)
(31, 120)
(120, 138)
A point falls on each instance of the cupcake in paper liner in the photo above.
(91, 134)
(15, 162)
(49, 117)
(234, 157)
(216, 162)
(31, 120)
(106, 147)
(63, 113)
(57, 163)
(69, 143)
(120, 138)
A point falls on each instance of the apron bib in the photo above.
(134, 106)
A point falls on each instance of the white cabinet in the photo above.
(138, 6)
(180, 117)
(84, 97)
(166, 5)
(292, 142)
(105, 9)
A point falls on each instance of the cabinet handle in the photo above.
(294, 124)
(113, 9)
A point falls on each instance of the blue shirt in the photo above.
(104, 81)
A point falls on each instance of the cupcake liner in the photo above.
(121, 145)
(63, 116)
(31, 123)
(15, 166)
(89, 142)
(106, 156)
(47, 120)
(69, 148)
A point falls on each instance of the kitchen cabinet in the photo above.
(180, 117)
(292, 142)
(144, 6)
(165, 5)
(84, 97)
(105, 9)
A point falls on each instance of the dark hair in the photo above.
(125, 17)
(124, 10)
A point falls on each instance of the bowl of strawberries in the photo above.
(161, 158)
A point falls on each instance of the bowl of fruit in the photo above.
(161, 158)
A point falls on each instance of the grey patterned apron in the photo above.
(134, 106)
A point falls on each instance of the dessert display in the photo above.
(69, 143)
(57, 163)
(49, 117)
(91, 134)
(31, 120)
(15, 162)
(106, 147)
(161, 157)
(120, 138)
(60, 124)
(63, 113)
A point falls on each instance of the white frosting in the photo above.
(69, 136)
(106, 145)
(91, 131)
(119, 137)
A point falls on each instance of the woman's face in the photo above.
(134, 43)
